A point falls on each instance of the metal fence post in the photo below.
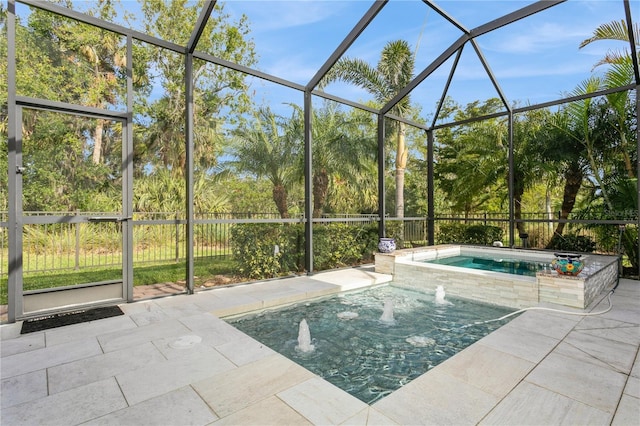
(177, 238)
(77, 259)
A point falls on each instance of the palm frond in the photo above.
(620, 73)
(359, 73)
(614, 30)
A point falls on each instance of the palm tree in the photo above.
(578, 139)
(614, 30)
(581, 128)
(625, 199)
(472, 159)
(340, 150)
(393, 72)
(528, 165)
(620, 73)
(269, 148)
(468, 165)
(558, 146)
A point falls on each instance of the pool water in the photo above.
(508, 266)
(367, 357)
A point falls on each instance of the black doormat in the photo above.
(68, 318)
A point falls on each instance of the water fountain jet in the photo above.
(440, 295)
(387, 312)
(304, 337)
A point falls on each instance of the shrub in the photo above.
(482, 234)
(451, 233)
(469, 234)
(335, 245)
(265, 250)
(572, 242)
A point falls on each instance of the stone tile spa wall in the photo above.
(410, 271)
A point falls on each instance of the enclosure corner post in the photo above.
(14, 283)
(128, 178)
(188, 129)
(381, 193)
(638, 165)
(308, 185)
(430, 191)
(512, 226)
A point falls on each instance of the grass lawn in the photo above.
(204, 270)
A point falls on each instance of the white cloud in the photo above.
(293, 69)
(535, 39)
(278, 15)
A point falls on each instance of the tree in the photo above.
(216, 88)
(559, 146)
(162, 192)
(60, 174)
(619, 74)
(581, 127)
(95, 58)
(358, 193)
(614, 30)
(528, 164)
(269, 147)
(393, 72)
(342, 151)
(472, 159)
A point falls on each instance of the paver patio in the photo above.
(173, 361)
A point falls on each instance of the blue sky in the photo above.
(535, 60)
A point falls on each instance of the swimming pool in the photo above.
(505, 265)
(359, 347)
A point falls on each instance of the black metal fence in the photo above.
(161, 237)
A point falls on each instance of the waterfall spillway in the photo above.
(304, 337)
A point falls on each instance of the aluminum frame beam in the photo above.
(632, 41)
(373, 11)
(308, 183)
(467, 36)
(514, 16)
(189, 139)
(14, 281)
(446, 16)
(445, 90)
(489, 72)
(203, 18)
(105, 25)
(382, 225)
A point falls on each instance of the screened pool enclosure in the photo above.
(188, 144)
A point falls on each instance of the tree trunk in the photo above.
(596, 175)
(518, 191)
(401, 165)
(320, 189)
(280, 198)
(97, 141)
(631, 173)
(547, 206)
(517, 213)
(572, 184)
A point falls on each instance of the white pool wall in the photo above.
(516, 291)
